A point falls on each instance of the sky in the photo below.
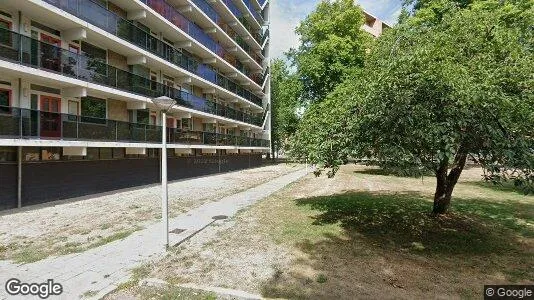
(286, 15)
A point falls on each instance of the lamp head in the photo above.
(164, 103)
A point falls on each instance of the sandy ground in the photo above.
(276, 250)
(72, 227)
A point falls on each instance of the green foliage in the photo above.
(285, 92)
(332, 43)
(436, 90)
(326, 131)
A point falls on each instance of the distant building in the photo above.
(373, 25)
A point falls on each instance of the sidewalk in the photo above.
(100, 270)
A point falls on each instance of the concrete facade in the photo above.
(373, 25)
(77, 79)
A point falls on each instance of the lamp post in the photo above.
(164, 103)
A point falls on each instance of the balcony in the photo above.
(253, 11)
(174, 16)
(239, 15)
(30, 52)
(34, 124)
(106, 20)
(216, 18)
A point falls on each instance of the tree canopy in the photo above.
(285, 94)
(433, 94)
(332, 43)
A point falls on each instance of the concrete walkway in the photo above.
(98, 271)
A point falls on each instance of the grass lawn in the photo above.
(366, 234)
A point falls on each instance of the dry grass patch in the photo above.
(370, 234)
(364, 234)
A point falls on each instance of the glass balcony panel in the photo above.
(54, 59)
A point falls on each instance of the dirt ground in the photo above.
(362, 234)
(76, 226)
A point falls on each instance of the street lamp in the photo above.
(165, 104)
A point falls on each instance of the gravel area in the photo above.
(73, 227)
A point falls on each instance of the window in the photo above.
(208, 127)
(5, 34)
(94, 51)
(8, 153)
(31, 154)
(73, 108)
(118, 153)
(34, 102)
(154, 81)
(151, 152)
(142, 116)
(5, 100)
(186, 124)
(92, 154)
(51, 153)
(74, 48)
(93, 110)
(106, 153)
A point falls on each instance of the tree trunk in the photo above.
(445, 183)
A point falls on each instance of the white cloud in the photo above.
(285, 17)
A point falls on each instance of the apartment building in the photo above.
(77, 80)
(373, 25)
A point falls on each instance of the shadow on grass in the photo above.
(405, 173)
(499, 187)
(473, 226)
(476, 236)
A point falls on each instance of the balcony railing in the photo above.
(178, 136)
(27, 51)
(253, 11)
(170, 13)
(239, 15)
(99, 16)
(265, 35)
(215, 17)
(34, 124)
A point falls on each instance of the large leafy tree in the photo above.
(285, 94)
(435, 94)
(332, 43)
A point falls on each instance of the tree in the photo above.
(285, 92)
(332, 43)
(437, 93)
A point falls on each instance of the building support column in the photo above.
(19, 177)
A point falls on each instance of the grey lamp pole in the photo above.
(164, 104)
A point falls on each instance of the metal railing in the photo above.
(239, 15)
(170, 13)
(27, 51)
(265, 35)
(250, 7)
(94, 13)
(26, 123)
(215, 139)
(215, 17)
(34, 124)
